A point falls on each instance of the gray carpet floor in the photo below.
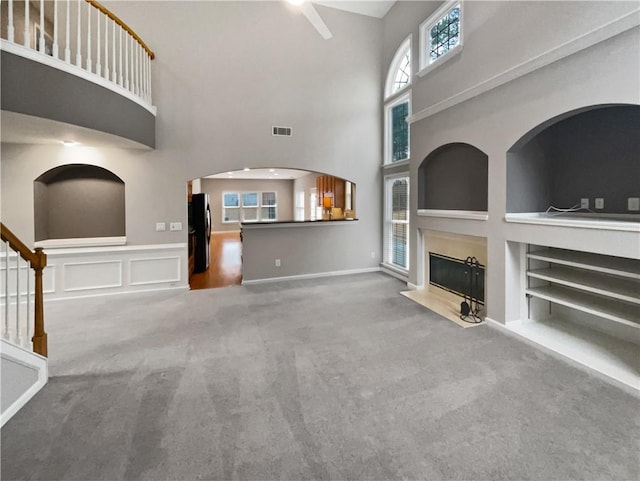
(337, 378)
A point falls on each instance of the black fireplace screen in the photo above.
(455, 276)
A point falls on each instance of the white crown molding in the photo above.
(575, 45)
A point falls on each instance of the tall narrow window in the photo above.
(397, 221)
(269, 206)
(397, 110)
(249, 206)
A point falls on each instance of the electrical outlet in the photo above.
(584, 203)
(373, 255)
(161, 226)
(633, 203)
(599, 203)
(174, 226)
(277, 262)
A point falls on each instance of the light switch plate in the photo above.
(174, 226)
(161, 226)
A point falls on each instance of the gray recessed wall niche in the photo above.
(454, 177)
(78, 201)
(591, 153)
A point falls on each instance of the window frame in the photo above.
(426, 64)
(388, 220)
(225, 207)
(395, 65)
(242, 208)
(388, 133)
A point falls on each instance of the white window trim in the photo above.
(275, 206)
(388, 183)
(426, 65)
(393, 68)
(387, 129)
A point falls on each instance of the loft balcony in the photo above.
(73, 64)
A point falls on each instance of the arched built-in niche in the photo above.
(78, 201)
(454, 177)
(589, 153)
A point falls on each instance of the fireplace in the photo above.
(457, 276)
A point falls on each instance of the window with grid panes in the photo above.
(397, 225)
(230, 207)
(269, 206)
(440, 35)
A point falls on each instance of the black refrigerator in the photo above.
(201, 224)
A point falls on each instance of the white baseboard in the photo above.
(414, 287)
(393, 272)
(31, 360)
(310, 276)
(118, 293)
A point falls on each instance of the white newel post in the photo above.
(27, 34)
(41, 48)
(10, 29)
(55, 29)
(79, 36)
(89, 67)
(28, 318)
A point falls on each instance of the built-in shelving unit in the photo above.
(586, 307)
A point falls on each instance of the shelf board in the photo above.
(624, 289)
(619, 266)
(606, 308)
(613, 357)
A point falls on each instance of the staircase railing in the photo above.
(83, 35)
(22, 304)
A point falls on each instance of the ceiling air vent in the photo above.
(281, 131)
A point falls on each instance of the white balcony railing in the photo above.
(81, 37)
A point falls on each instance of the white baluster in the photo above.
(55, 29)
(6, 290)
(28, 323)
(67, 45)
(98, 65)
(106, 47)
(41, 48)
(126, 61)
(16, 337)
(89, 38)
(147, 76)
(114, 75)
(27, 33)
(79, 36)
(120, 58)
(137, 78)
(10, 28)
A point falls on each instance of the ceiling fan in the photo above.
(307, 9)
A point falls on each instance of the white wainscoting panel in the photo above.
(154, 270)
(97, 271)
(81, 276)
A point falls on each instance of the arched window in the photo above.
(399, 75)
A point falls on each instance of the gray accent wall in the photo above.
(454, 177)
(78, 201)
(36, 89)
(591, 154)
(215, 188)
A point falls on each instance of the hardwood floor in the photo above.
(225, 266)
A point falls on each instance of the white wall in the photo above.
(224, 73)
